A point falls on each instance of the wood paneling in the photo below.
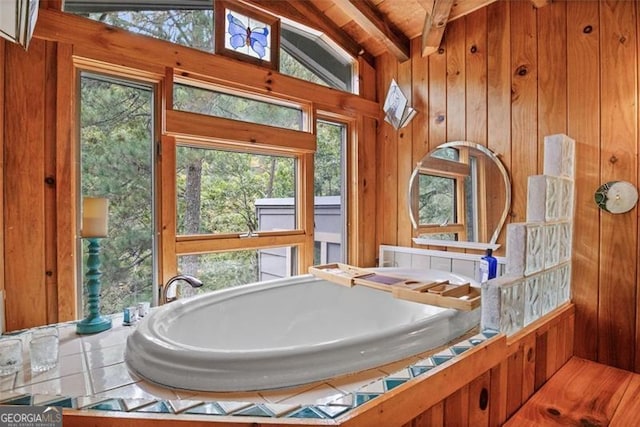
(552, 77)
(387, 161)
(583, 117)
(524, 87)
(2, 113)
(405, 159)
(618, 161)
(65, 175)
(456, 85)
(51, 216)
(24, 174)
(476, 77)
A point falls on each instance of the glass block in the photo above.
(534, 250)
(549, 291)
(568, 157)
(564, 283)
(512, 308)
(566, 199)
(532, 299)
(565, 241)
(552, 201)
(551, 245)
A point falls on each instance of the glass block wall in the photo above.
(537, 276)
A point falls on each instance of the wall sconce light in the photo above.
(397, 112)
(18, 19)
(95, 225)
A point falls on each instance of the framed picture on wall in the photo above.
(247, 34)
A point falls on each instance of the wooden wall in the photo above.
(506, 76)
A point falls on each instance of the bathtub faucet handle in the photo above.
(166, 290)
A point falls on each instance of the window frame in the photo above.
(154, 82)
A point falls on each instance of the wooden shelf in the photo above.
(440, 293)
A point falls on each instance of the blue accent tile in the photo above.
(307, 412)
(440, 359)
(419, 370)
(459, 350)
(476, 341)
(391, 383)
(255, 411)
(211, 408)
(160, 407)
(332, 411)
(22, 400)
(364, 397)
(109, 405)
(489, 333)
(64, 402)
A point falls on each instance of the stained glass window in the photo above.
(247, 34)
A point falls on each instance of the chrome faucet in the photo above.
(164, 291)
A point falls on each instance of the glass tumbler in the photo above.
(43, 349)
(10, 355)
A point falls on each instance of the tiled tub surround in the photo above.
(538, 270)
(91, 376)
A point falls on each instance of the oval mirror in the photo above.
(459, 192)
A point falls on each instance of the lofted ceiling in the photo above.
(373, 27)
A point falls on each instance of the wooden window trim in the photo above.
(199, 127)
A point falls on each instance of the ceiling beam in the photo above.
(306, 13)
(462, 8)
(377, 25)
(434, 24)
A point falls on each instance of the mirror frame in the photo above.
(496, 161)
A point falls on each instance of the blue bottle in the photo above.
(488, 266)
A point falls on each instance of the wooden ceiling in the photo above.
(373, 27)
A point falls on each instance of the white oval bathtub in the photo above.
(286, 332)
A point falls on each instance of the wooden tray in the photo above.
(461, 297)
(440, 293)
(342, 274)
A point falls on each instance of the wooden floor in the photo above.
(583, 393)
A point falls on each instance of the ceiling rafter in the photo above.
(377, 25)
(435, 23)
(462, 8)
(306, 13)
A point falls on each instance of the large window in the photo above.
(220, 192)
(304, 53)
(329, 191)
(185, 22)
(116, 150)
(238, 191)
(220, 104)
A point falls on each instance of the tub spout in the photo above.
(165, 290)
